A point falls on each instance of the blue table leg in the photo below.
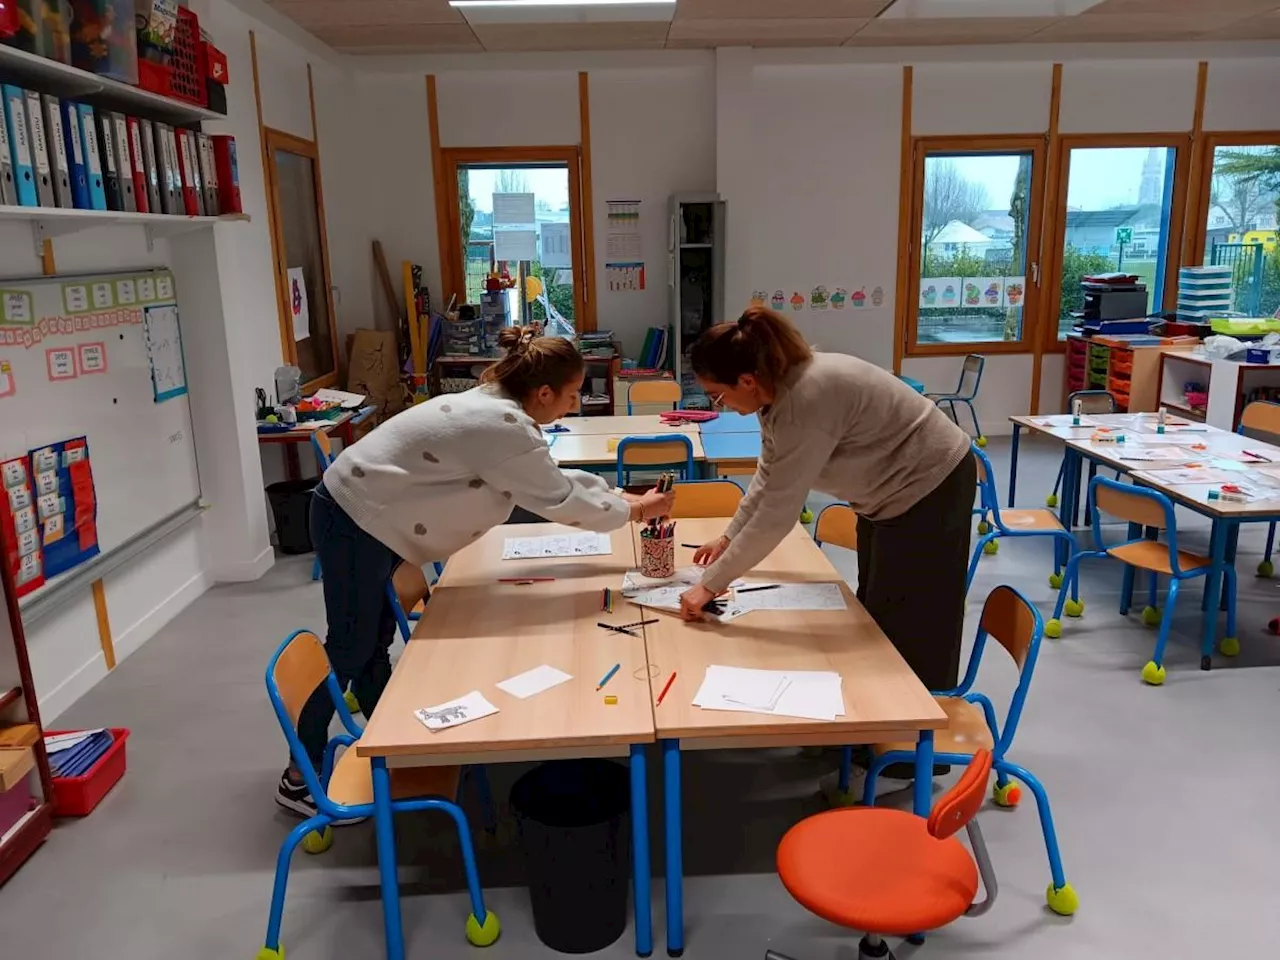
(675, 856)
(1013, 463)
(640, 852)
(1218, 539)
(384, 830)
(923, 793)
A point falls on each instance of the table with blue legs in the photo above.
(476, 632)
(883, 698)
(730, 422)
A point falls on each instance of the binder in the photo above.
(40, 161)
(24, 177)
(169, 145)
(146, 133)
(207, 173)
(93, 164)
(189, 173)
(78, 172)
(227, 170)
(107, 152)
(124, 164)
(8, 190)
(138, 168)
(57, 150)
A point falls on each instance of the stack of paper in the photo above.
(557, 545)
(806, 694)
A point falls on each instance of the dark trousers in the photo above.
(911, 576)
(356, 569)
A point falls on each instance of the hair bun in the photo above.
(515, 340)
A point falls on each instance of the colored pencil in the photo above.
(608, 676)
(524, 580)
(692, 546)
(771, 586)
(610, 626)
(667, 686)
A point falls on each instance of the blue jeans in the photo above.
(356, 569)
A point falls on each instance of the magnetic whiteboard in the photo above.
(78, 357)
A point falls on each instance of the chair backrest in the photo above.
(323, 448)
(1135, 505)
(654, 391)
(406, 588)
(706, 498)
(962, 802)
(1092, 402)
(1261, 418)
(988, 498)
(669, 449)
(970, 376)
(838, 524)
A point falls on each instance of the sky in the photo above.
(1101, 178)
(551, 185)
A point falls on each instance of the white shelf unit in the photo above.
(50, 222)
(1228, 382)
(50, 76)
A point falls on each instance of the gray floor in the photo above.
(1164, 800)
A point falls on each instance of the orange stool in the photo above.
(889, 871)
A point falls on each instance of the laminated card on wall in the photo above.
(164, 352)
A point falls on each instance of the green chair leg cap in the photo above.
(1153, 674)
(992, 546)
(1053, 629)
(983, 528)
(1151, 616)
(981, 441)
(837, 798)
(1229, 647)
(318, 841)
(483, 935)
(1010, 795)
(1074, 608)
(353, 705)
(1051, 500)
(806, 515)
(1055, 580)
(266, 953)
(1266, 569)
(1062, 900)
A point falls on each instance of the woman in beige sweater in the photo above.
(834, 423)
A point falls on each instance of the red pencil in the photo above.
(667, 686)
(526, 579)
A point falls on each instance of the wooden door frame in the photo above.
(923, 147)
(1052, 272)
(452, 268)
(1198, 231)
(274, 140)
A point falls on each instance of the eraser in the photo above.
(611, 700)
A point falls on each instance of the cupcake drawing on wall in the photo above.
(839, 297)
(860, 297)
(949, 295)
(758, 298)
(877, 296)
(797, 301)
(818, 298)
(779, 300)
(929, 296)
(992, 295)
(1013, 294)
(972, 295)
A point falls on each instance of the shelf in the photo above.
(695, 246)
(50, 222)
(23, 838)
(50, 76)
(1183, 411)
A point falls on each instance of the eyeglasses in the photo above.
(717, 400)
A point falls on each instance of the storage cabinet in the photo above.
(1227, 384)
(695, 273)
(1128, 368)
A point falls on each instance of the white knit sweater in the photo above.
(434, 478)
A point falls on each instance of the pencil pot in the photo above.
(658, 557)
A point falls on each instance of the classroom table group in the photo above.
(724, 446)
(477, 631)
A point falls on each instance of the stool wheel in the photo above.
(483, 935)
(1063, 900)
(1151, 616)
(916, 939)
(1206, 663)
(879, 951)
(1153, 674)
(318, 841)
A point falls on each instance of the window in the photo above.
(1240, 224)
(1115, 214)
(516, 213)
(976, 209)
(307, 330)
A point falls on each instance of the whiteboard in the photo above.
(76, 359)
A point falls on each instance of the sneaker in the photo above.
(296, 798)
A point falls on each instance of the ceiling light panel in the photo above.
(966, 9)
(565, 11)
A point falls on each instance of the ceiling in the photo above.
(432, 26)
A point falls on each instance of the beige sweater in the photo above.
(850, 429)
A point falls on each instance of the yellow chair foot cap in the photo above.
(1010, 795)
(1055, 580)
(353, 705)
(1062, 900)
(1151, 616)
(837, 798)
(266, 953)
(981, 441)
(983, 527)
(992, 546)
(1074, 608)
(1051, 500)
(1153, 674)
(483, 935)
(806, 515)
(1053, 629)
(1266, 569)
(1229, 647)
(318, 841)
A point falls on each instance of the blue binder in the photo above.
(15, 113)
(75, 156)
(92, 157)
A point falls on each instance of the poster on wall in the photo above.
(513, 209)
(556, 251)
(1015, 291)
(939, 292)
(515, 245)
(298, 308)
(164, 352)
(984, 292)
(624, 277)
(623, 241)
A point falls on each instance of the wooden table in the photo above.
(342, 425)
(884, 700)
(637, 425)
(476, 632)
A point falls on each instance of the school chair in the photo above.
(1261, 421)
(1145, 510)
(706, 498)
(889, 872)
(665, 450)
(343, 787)
(1092, 403)
(654, 391)
(1014, 623)
(966, 392)
(1038, 522)
(838, 524)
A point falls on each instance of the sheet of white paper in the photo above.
(810, 695)
(556, 245)
(635, 582)
(793, 596)
(1064, 420)
(348, 401)
(442, 716)
(1190, 475)
(297, 299)
(1146, 452)
(515, 245)
(57, 742)
(513, 208)
(533, 681)
(557, 545)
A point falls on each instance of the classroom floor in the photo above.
(1171, 854)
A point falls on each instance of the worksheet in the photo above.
(791, 596)
(456, 712)
(1187, 475)
(557, 545)
(1146, 452)
(806, 694)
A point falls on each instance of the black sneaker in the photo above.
(296, 798)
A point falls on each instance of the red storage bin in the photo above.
(189, 60)
(216, 62)
(77, 796)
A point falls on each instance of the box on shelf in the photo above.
(104, 39)
(44, 28)
(17, 799)
(77, 796)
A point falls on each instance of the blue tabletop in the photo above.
(731, 446)
(730, 422)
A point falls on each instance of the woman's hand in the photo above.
(655, 504)
(693, 600)
(709, 553)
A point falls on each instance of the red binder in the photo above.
(138, 168)
(189, 172)
(228, 170)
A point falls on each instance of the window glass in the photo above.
(1241, 229)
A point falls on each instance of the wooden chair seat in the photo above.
(1154, 555)
(967, 731)
(352, 781)
(1030, 520)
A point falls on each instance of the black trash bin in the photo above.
(572, 816)
(291, 505)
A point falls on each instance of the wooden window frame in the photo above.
(1198, 212)
(1051, 271)
(921, 149)
(274, 140)
(452, 268)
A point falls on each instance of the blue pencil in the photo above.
(608, 676)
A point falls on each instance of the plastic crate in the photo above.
(77, 796)
(189, 60)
